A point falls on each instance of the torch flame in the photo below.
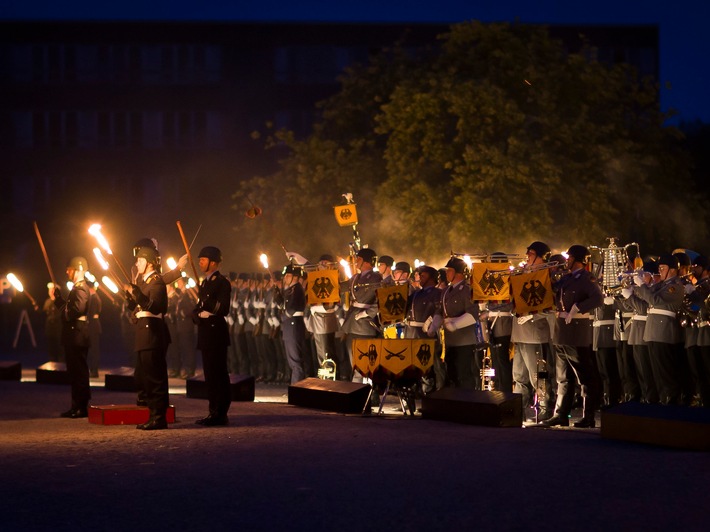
(346, 267)
(14, 281)
(100, 258)
(264, 260)
(171, 263)
(109, 284)
(95, 231)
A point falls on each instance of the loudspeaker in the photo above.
(241, 387)
(474, 407)
(10, 371)
(53, 373)
(681, 427)
(120, 380)
(335, 396)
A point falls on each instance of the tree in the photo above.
(495, 138)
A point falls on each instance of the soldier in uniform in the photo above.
(499, 322)
(75, 336)
(460, 316)
(384, 266)
(578, 294)
(424, 321)
(699, 355)
(663, 333)
(185, 330)
(53, 327)
(148, 298)
(240, 298)
(323, 322)
(94, 316)
(361, 316)
(604, 345)
(293, 327)
(531, 335)
(213, 336)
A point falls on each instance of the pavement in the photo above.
(282, 467)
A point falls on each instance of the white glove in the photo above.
(689, 288)
(638, 279)
(253, 321)
(274, 321)
(230, 320)
(341, 321)
(360, 315)
(524, 319)
(182, 262)
(608, 300)
(204, 314)
(240, 319)
(627, 292)
(427, 324)
(571, 314)
(449, 324)
(435, 326)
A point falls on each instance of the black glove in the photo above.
(139, 296)
(130, 302)
(195, 314)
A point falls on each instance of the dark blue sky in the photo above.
(684, 24)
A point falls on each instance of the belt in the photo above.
(703, 324)
(146, 314)
(82, 318)
(499, 314)
(299, 313)
(627, 314)
(602, 323)
(639, 317)
(576, 317)
(661, 311)
(361, 305)
(413, 323)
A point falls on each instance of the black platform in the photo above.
(473, 407)
(681, 427)
(120, 380)
(335, 396)
(241, 387)
(53, 373)
(10, 371)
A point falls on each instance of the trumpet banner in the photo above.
(388, 359)
(323, 287)
(489, 283)
(346, 214)
(392, 302)
(532, 292)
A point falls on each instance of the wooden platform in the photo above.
(53, 373)
(124, 414)
(10, 371)
(681, 427)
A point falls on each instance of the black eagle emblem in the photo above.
(533, 292)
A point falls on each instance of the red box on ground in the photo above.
(124, 414)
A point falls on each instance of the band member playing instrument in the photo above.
(699, 356)
(578, 293)
(293, 327)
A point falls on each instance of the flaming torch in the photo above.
(15, 282)
(95, 231)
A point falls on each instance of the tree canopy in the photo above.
(491, 138)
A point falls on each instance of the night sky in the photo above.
(684, 39)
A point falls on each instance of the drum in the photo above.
(387, 359)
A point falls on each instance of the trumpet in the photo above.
(520, 271)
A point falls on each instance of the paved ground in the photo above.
(281, 467)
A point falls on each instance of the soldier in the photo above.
(531, 335)
(460, 316)
(578, 293)
(293, 327)
(173, 354)
(213, 336)
(75, 336)
(499, 322)
(170, 276)
(361, 316)
(384, 266)
(604, 346)
(185, 330)
(148, 298)
(699, 356)
(239, 303)
(424, 321)
(53, 327)
(94, 316)
(663, 333)
(323, 322)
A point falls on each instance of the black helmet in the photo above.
(150, 254)
(403, 267)
(702, 262)
(541, 249)
(683, 258)
(651, 266)
(293, 269)
(386, 259)
(276, 275)
(442, 275)
(212, 253)
(368, 255)
(432, 272)
(457, 264)
(243, 276)
(669, 260)
(579, 253)
(326, 258)
(559, 258)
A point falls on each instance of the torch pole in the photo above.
(187, 250)
(44, 253)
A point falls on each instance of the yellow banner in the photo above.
(532, 292)
(392, 302)
(346, 214)
(423, 352)
(489, 281)
(383, 359)
(323, 287)
(366, 355)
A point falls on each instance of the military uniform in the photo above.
(664, 336)
(293, 331)
(94, 315)
(461, 355)
(604, 346)
(700, 356)
(422, 305)
(185, 333)
(573, 343)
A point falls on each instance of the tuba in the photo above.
(326, 371)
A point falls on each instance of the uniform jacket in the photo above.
(213, 331)
(363, 298)
(75, 332)
(455, 302)
(152, 333)
(422, 305)
(666, 296)
(603, 326)
(577, 288)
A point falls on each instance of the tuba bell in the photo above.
(326, 371)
